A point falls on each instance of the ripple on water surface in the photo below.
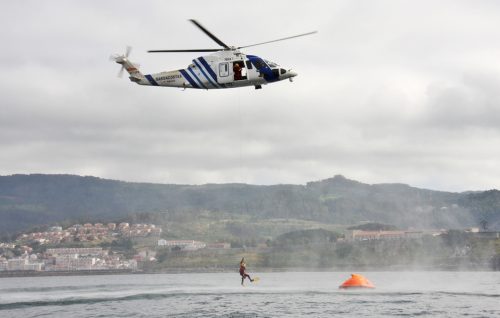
(398, 294)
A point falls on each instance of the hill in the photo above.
(29, 200)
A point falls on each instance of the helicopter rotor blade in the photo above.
(213, 37)
(128, 50)
(282, 39)
(180, 51)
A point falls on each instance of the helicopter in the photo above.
(228, 67)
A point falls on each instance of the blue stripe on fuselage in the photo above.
(209, 69)
(190, 80)
(196, 77)
(263, 68)
(205, 74)
(151, 80)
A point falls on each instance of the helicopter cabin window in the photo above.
(223, 69)
(239, 71)
(249, 64)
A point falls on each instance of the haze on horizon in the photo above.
(387, 92)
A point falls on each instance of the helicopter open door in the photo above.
(230, 72)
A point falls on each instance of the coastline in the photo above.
(4, 274)
(185, 270)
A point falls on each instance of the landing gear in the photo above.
(258, 86)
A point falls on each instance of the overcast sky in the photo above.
(388, 91)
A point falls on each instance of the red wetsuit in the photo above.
(243, 273)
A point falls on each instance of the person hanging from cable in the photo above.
(243, 272)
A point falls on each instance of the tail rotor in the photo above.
(122, 59)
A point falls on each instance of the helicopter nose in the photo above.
(292, 73)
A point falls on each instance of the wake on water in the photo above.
(156, 296)
(278, 294)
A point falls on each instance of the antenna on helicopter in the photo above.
(224, 45)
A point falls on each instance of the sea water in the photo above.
(286, 294)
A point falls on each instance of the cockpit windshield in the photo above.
(271, 64)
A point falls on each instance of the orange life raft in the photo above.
(357, 281)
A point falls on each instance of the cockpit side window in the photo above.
(271, 64)
(259, 63)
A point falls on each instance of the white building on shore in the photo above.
(23, 264)
(82, 251)
(72, 262)
(185, 245)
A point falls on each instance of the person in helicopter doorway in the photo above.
(237, 71)
(243, 272)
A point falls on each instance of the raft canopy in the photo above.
(357, 281)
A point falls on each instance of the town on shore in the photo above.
(123, 247)
(83, 249)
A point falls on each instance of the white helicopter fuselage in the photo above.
(223, 69)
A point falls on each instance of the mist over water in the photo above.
(287, 294)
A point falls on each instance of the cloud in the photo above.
(470, 102)
(386, 92)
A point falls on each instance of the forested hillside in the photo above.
(29, 200)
